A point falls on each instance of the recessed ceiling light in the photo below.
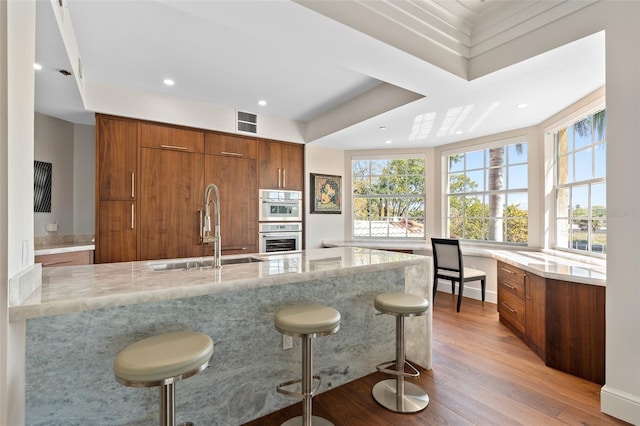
(459, 132)
(37, 66)
(522, 105)
(387, 141)
(168, 82)
(382, 128)
(262, 102)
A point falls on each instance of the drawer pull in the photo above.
(232, 154)
(509, 286)
(507, 271)
(176, 148)
(509, 308)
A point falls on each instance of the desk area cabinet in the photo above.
(562, 322)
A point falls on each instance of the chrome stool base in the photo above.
(315, 421)
(414, 399)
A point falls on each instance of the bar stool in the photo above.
(395, 394)
(306, 321)
(161, 361)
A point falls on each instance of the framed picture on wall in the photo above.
(327, 194)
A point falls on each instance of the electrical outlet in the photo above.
(287, 342)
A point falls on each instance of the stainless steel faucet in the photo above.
(206, 226)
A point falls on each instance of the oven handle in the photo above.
(280, 234)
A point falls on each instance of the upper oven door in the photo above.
(278, 205)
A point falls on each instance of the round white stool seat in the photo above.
(307, 320)
(404, 304)
(163, 359)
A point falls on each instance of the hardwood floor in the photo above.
(482, 375)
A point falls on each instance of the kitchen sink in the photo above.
(188, 265)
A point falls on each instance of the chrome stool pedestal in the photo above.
(306, 321)
(396, 394)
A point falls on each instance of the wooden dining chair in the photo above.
(447, 260)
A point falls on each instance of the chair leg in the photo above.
(307, 378)
(483, 287)
(460, 290)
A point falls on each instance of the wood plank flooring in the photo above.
(482, 375)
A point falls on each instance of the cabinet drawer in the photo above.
(66, 259)
(231, 146)
(171, 138)
(511, 309)
(511, 279)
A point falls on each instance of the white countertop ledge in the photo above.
(550, 264)
(70, 289)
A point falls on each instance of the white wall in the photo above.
(320, 227)
(84, 172)
(18, 80)
(53, 143)
(71, 150)
(4, 209)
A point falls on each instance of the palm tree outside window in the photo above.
(487, 194)
(581, 190)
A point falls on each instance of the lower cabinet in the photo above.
(562, 322)
(171, 197)
(84, 257)
(116, 232)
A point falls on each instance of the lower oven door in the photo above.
(272, 242)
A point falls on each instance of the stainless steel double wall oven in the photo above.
(280, 219)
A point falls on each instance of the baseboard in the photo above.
(620, 404)
(470, 292)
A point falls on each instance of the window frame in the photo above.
(388, 156)
(588, 183)
(485, 193)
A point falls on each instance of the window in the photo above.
(389, 197)
(581, 191)
(486, 195)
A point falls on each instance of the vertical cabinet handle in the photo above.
(284, 178)
(133, 185)
(279, 177)
(133, 216)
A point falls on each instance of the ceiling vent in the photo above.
(247, 122)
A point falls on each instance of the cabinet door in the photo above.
(117, 161)
(170, 201)
(535, 305)
(292, 162)
(236, 180)
(280, 165)
(231, 146)
(269, 170)
(116, 239)
(171, 138)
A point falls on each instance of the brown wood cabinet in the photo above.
(116, 232)
(116, 149)
(170, 199)
(535, 314)
(116, 189)
(280, 165)
(84, 257)
(562, 322)
(236, 179)
(150, 187)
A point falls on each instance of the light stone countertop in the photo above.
(70, 289)
(551, 264)
(63, 248)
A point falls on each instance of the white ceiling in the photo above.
(308, 57)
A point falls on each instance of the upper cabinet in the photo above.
(171, 138)
(231, 146)
(280, 165)
(117, 147)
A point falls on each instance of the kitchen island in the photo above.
(80, 317)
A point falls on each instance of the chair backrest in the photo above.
(446, 254)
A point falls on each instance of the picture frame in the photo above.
(326, 194)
